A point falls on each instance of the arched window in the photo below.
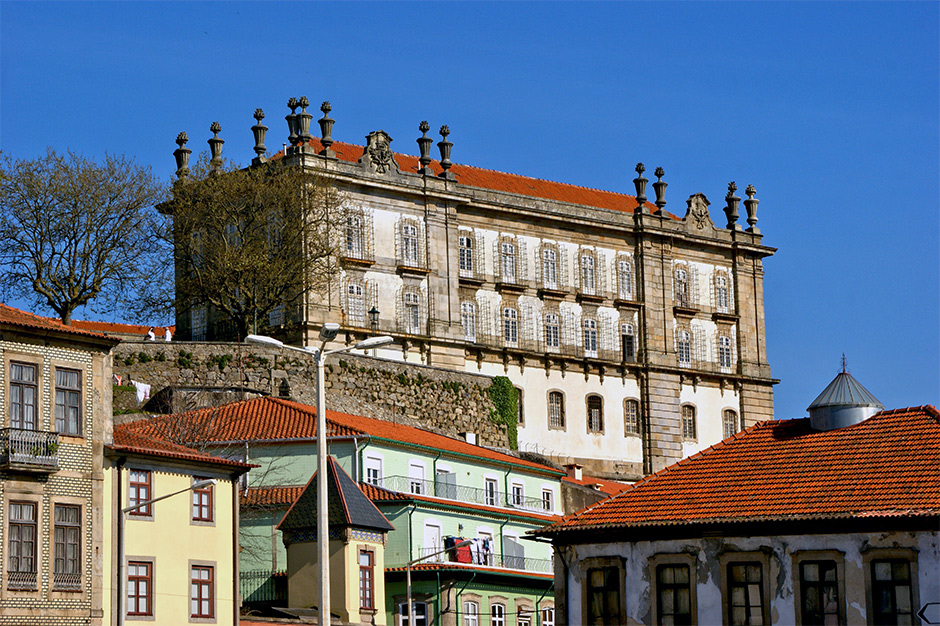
(465, 243)
(595, 414)
(688, 422)
(412, 312)
(556, 409)
(497, 615)
(355, 305)
(354, 247)
(589, 327)
(507, 253)
(624, 280)
(729, 422)
(628, 342)
(409, 244)
(510, 326)
(722, 301)
(631, 417)
(588, 274)
(724, 352)
(549, 268)
(468, 319)
(682, 287)
(552, 332)
(684, 347)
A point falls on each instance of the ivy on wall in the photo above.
(506, 400)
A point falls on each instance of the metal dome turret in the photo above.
(843, 403)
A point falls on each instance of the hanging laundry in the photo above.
(143, 391)
(117, 379)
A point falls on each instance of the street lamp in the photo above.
(122, 582)
(327, 333)
(408, 565)
(374, 322)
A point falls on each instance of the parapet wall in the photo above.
(186, 375)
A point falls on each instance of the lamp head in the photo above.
(329, 331)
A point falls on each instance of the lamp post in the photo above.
(122, 582)
(327, 333)
(418, 560)
(374, 322)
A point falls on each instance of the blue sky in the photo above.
(829, 109)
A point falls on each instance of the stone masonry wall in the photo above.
(184, 375)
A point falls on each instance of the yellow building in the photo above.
(174, 559)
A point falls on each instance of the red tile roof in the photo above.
(453, 566)
(888, 465)
(273, 419)
(16, 317)
(501, 181)
(282, 495)
(610, 487)
(128, 440)
(377, 494)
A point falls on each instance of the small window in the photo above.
(355, 305)
(603, 592)
(507, 262)
(139, 588)
(354, 247)
(21, 546)
(588, 274)
(624, 280)
(552, 332)
(729, 422)
(673, 594)
(471, 614)
(724, 352)
(745, 593)
(721, 292)
(819, 592)
(23, 393)
(518, 495)
(595, 409)
(412, 312)
(465, 244)
(631, 417)
(138, 491)
(520, 406)
(688, 422)
(549, 269)
(373, 467)
(468, 319)
(628, 342)
(511, 326)
(891, 591)
(68, 402)
(416, 481)
(498, 615)
(548, 500)
(202, 592)
(67, 569)
(409, 242)
(684, 348)
(366, 579)
(202, 502)
(548, 617)
(682, 287)
(589, 327)
(556, 409)
(491, 492)
(421, 614)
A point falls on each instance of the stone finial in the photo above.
(215, 146)
(259, 130)
(731, 210)
(326, 130)
(660, 188)
(303, 122)
(750, 205)
(424, 145)
(182, 156)
(445, 147)
(640, 183)
(291, 118)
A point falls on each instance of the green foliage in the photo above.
(184, 359)
(219, 360)
(453, 387)
(403, 380)
(143, 357)
(506, 402)
(130, 359)
(160, 357)
(123, 388)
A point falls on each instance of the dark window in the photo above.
(556, 409)
(631, 417)
(595, 407)
(819, 591)
(891, 591)
(674, 594)
(201, 592)
(628, 342)
(202, 503)
(729, 422)
(139, 588)
(68, 401)
(67, 573)
(366, 579)
(520, 412)
(745, 593)
(604, 596)
(21, 568)
(23, 392)
(421, 614)
(138, 491)
(688, 422)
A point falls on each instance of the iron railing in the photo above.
(66, 582)
(21, 580)
(460, 493)
(492, 559)
(258, 586)
(29, 448)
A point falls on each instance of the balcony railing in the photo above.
(461, 493)
(21, 580)
(263, 586)
(66, 582)
(35, 450)
(491, 559)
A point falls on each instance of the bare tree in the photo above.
(76, 232)
(248, 241)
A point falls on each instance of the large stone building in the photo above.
(635, 337)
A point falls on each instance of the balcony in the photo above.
(461, 493)
(491, 559)
(29, 450)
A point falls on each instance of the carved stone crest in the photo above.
(697, 215)
(378, 153)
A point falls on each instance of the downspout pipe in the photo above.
(236, 525)
(459, 593)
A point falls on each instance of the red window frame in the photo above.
(134, 600)
(367, 580)
(202, 503)
(202, 591)
(139, 491)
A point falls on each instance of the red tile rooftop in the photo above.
(278, 496)
(888, 465)
(16, 317)
(126, 439)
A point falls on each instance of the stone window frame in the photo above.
(38, 523)
(673, 558)
(213, 590)
(552, 263)
(590, 319)
(405, 259)
(632, 431)
(80, 504)
(797, 558)
(42, 385)
(542, 609)
(524, 609)
(498, 601)
(724, 416)
(210, 490)
(683, 421)
(587, 414)
(753, 556)
(681, 293)
(630, 293)
(719, 274)
(477, 601)
(560, 394)
(627, 329)
(152, 562)
(681, 330)
(143, 514)
(502, 264)
(354, 234)
(82, 372)
(355, 305)
(583, 287)
(466, 254)
(470, 313)
(876, 554)
(557, 328)
(510, 326)
(601, 562)
(412, 310)
(725, 349)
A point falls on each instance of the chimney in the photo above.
(574, 470)
(470, 437)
